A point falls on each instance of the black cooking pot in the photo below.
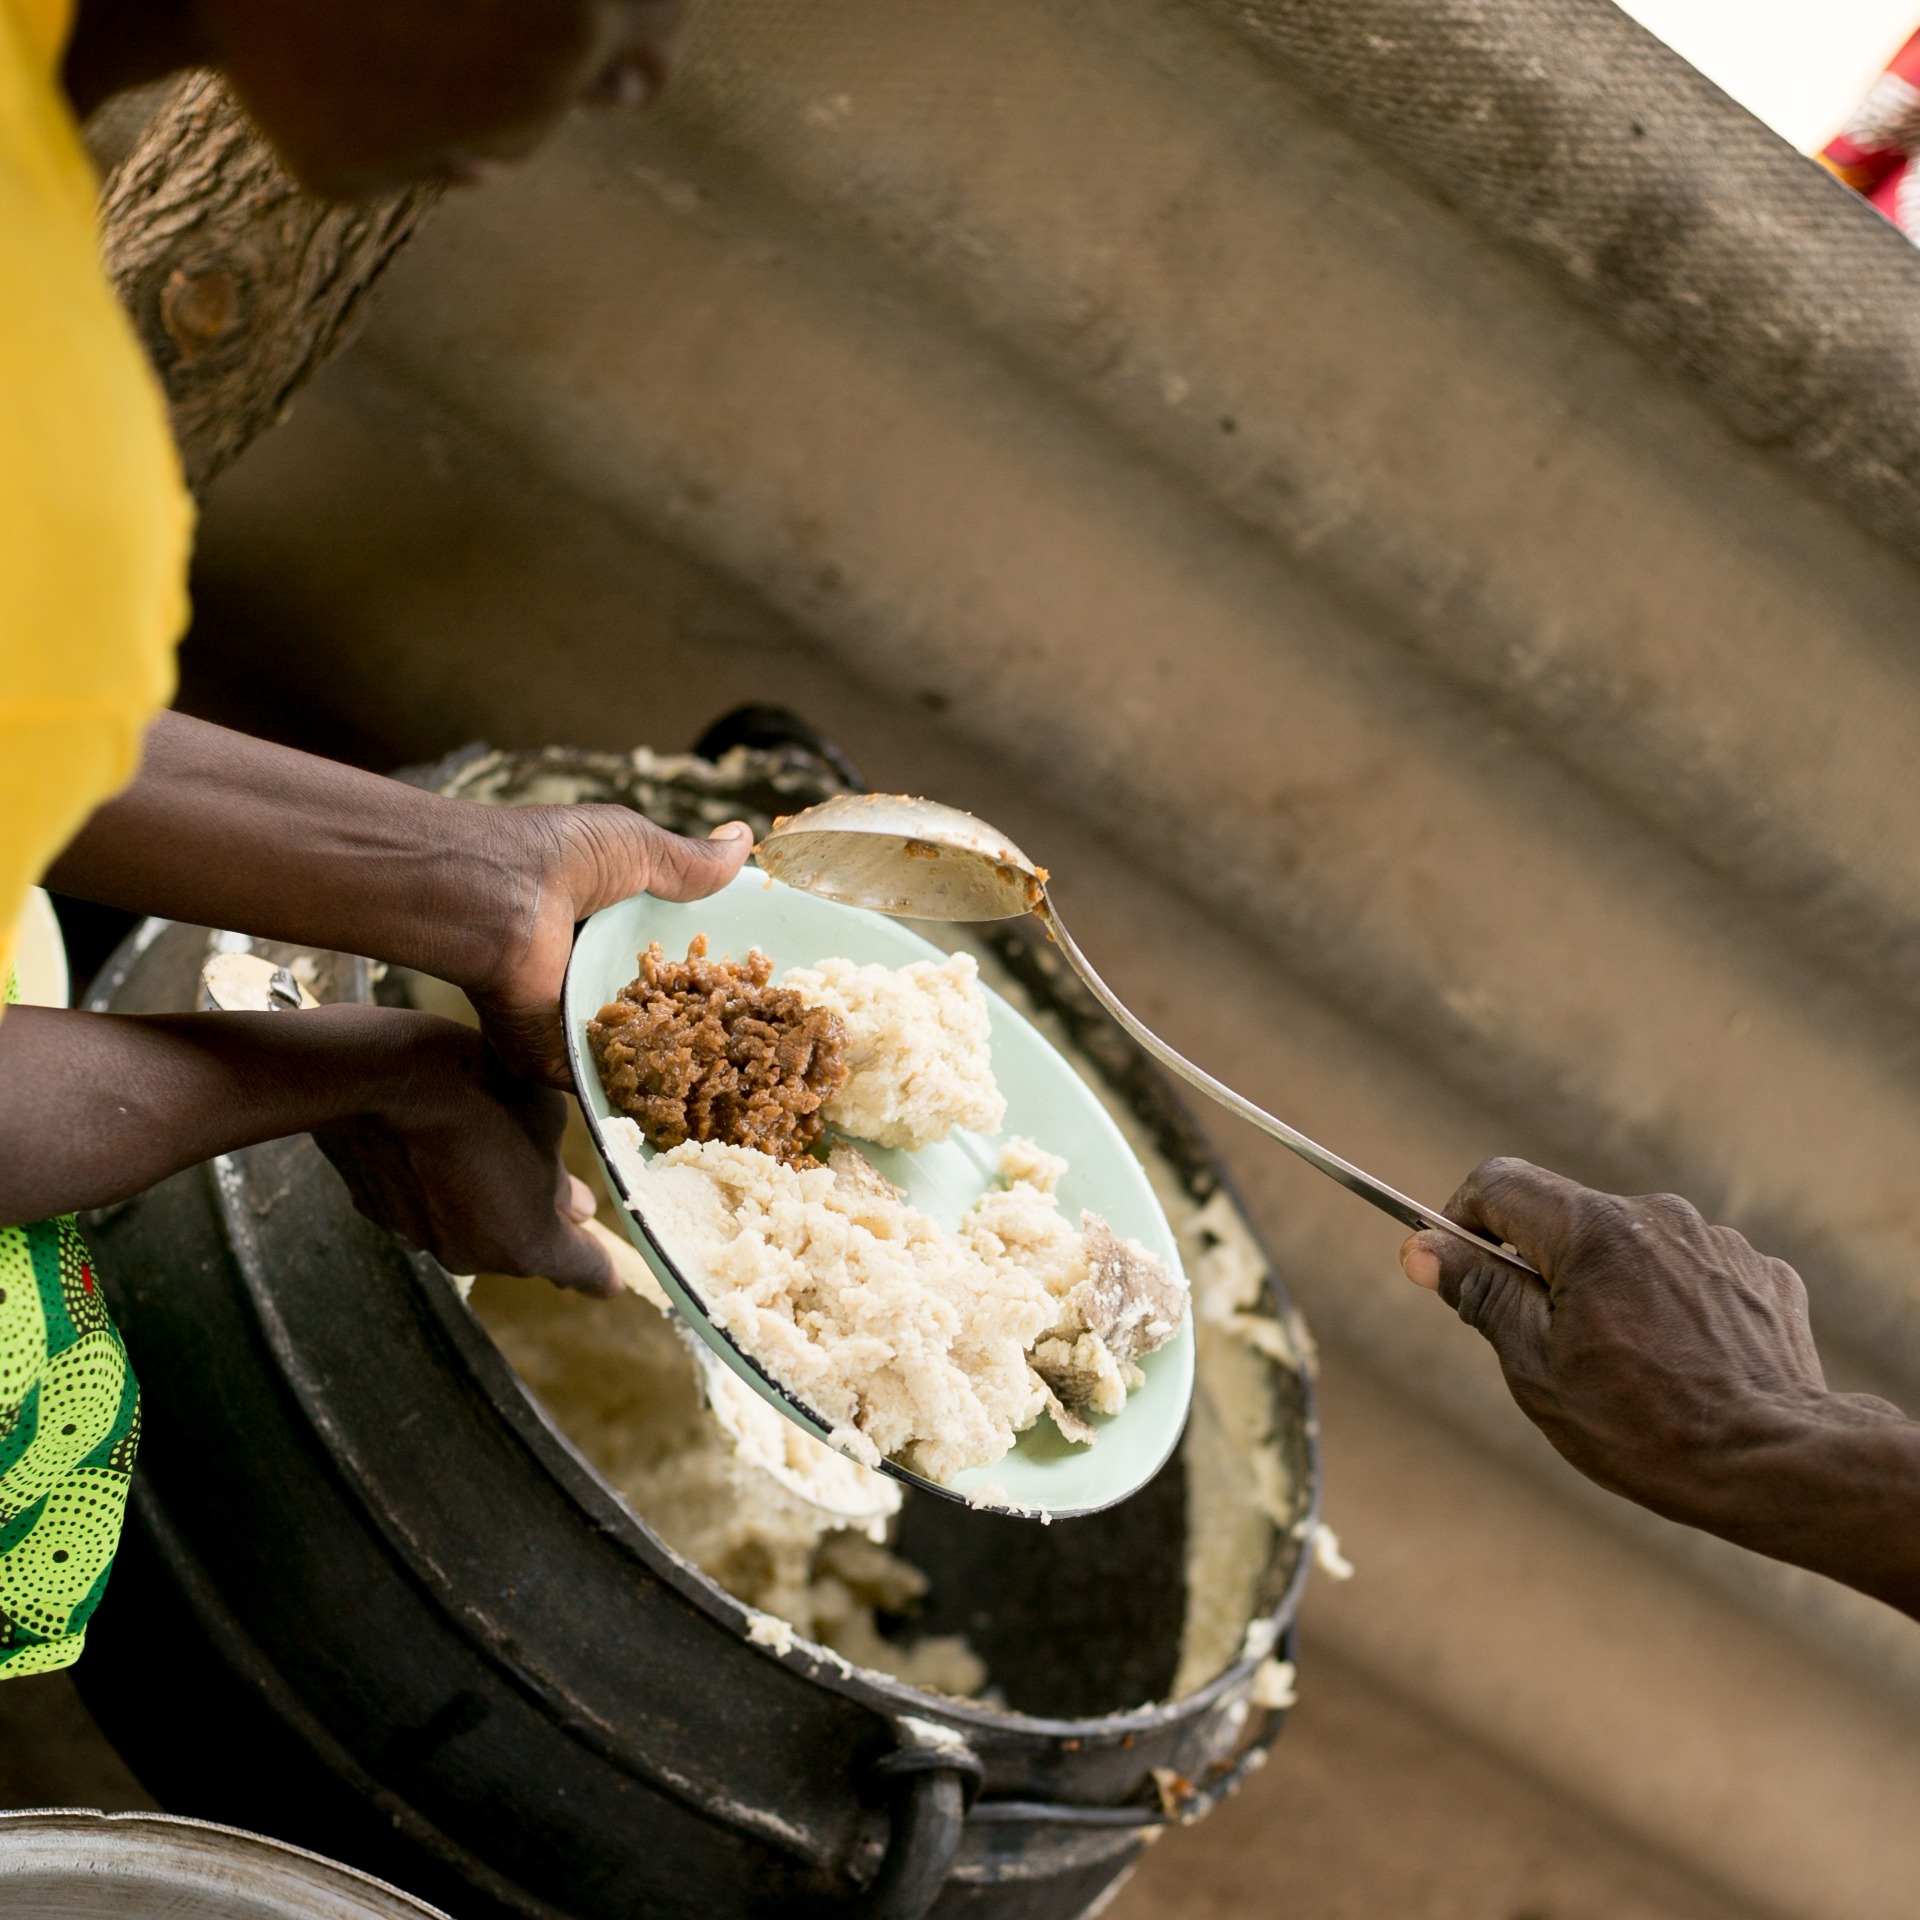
(373, 1602)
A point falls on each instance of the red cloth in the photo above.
(1874, 152)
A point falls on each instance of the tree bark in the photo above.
(241, 285)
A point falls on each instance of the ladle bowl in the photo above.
(915, 859)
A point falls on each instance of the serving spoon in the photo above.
(919, 860)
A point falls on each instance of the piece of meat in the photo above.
(1078, 1368)
(1126, 1306)
(1079, 1432)
(700, 1049)
(1128, 1299)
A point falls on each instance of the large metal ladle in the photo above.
(923, 861)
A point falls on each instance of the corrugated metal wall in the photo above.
(1403, 511)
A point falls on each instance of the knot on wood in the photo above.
(200, 307)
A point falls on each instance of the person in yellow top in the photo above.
(94, 519)
(447, 1136)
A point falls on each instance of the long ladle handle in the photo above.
(1409, 1212)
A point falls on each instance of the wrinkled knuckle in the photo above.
(1469, 1295)
(1488, 1183)
(1504, 1173)
(1600, 1219)
(1787, 1279)
(1479, 1294)
(1672, 1210)
(548, 835)
(583, 839)
(636, 832)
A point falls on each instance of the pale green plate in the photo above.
(1047, 1102)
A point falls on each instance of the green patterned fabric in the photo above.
(69, 1428)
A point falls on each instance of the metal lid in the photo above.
(66, 1863)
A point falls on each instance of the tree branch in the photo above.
(241, 285)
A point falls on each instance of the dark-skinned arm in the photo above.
(229, 831)
(435, 1140)
(1672, 1363)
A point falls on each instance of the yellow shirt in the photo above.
(95, 521)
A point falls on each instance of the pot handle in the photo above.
(931, 1778)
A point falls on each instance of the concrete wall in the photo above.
(1458, 706)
